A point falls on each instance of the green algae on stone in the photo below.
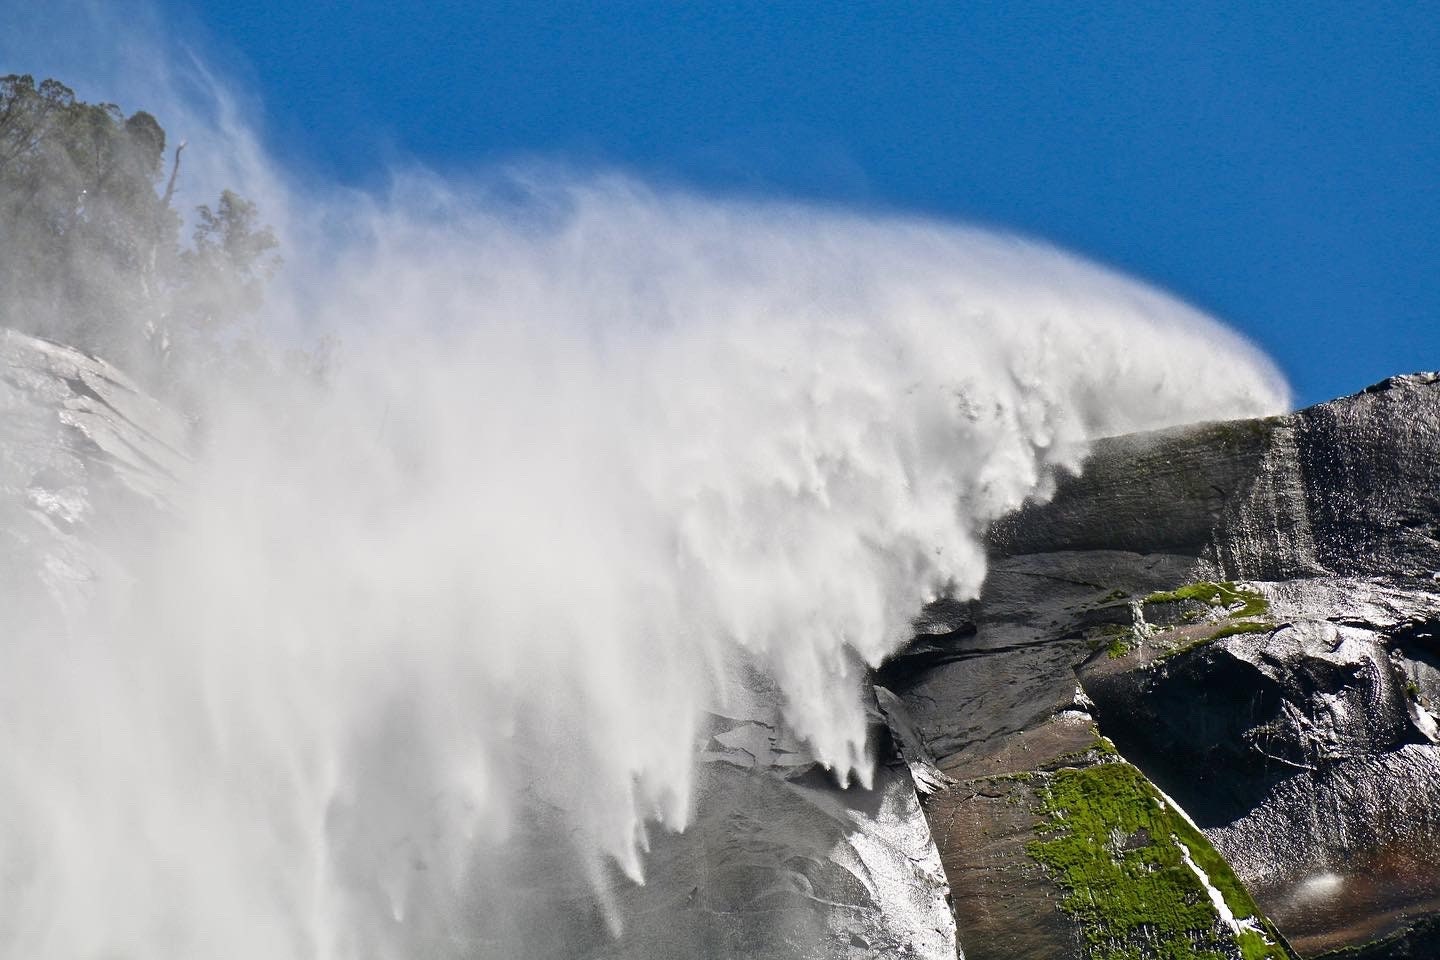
(1242, 609)
(1113, 638)
(1229, 628)
(1114, 846)
(1239, 610)
(1222, 594)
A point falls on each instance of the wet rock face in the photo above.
(89, 461)
(1306, 755)
(1050, 852)
(1348, 488)
(778, 862)
(1372, 479)
(1228, 720)
(782, 863)
(1252, 615)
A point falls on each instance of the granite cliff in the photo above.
(1192, 714)
(1215, 649)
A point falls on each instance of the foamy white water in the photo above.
(581, 460)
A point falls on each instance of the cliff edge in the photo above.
(1232, 628)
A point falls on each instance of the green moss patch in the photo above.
(1113, 845)
(1115, 639)
(1230, 628)
(1236, 627)
(1208, 611)
(1224, 595)
(1241, 610)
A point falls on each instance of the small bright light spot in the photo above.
(1321, 885)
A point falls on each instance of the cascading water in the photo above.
(580, 463)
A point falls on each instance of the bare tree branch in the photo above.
(174, 172)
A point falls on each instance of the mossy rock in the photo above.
(1236, 600)
(1227, 628)
(1116, 639)
(1129, 865)
(1205, 611)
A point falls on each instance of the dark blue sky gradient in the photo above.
(1277, 164)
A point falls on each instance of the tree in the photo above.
(225, 270)
(90, 249)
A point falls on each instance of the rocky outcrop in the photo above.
(1249, 613)
(89, 460)
(781, 863)
(778, 862)
(1055, 846)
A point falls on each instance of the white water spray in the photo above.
(585, 457)
(574, 469)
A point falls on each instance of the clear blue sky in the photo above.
(1275, 163)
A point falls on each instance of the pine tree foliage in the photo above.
(90, 247)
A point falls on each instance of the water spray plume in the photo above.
(588, 458)
(573, 473)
